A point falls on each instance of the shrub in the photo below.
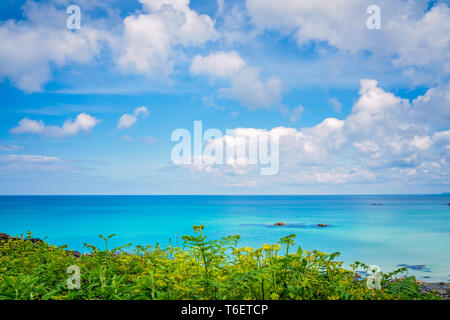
(201, 269)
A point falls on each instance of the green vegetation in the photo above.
(201, 269)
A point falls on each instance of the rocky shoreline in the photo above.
(6, 237)
(441, 289)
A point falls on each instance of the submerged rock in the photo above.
(376, 204)
(417, 267)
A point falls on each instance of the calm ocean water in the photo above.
(411, 230)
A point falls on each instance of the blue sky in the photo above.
(357, 110)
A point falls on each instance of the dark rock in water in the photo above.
(376, 204)
(290, 225)
(361, 273)
(447, 204)
(287, 225)
(417, 267)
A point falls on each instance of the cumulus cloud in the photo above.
(27, 125)
(424, 42)
(248, 88)
(154, 38)
(433, 107)
(31, 47)
(246, 84)
(149, 42)
(128, 120)
(411, 36)
(318, 20)
(384, 138)
(220, 64)
(150, 38)
(393, 132)
(83, 123)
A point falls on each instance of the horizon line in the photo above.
(218, 195)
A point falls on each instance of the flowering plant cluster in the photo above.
(200, 269)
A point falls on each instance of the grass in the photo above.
(201, 269)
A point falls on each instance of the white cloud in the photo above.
(296, 113)
(313, 20)
(423, 42)
(32, 46)
(141, 111)
(373, 107)
(149, 42)
(27, 125)
(220, 64)
(246, 84)
(434, 107)
(442, 137)
(83, 123)
(128, 120)
(385, 139)
(32, 158)
(149, 139)
(150, 38)
(250, 90)
(422, 143)
(220, 6)
(392, 132)
(411, 37)
(14, 166)
(343, 175)
(8, 147)
(337, 105)
(366, 146)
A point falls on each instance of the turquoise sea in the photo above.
(411, 230)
